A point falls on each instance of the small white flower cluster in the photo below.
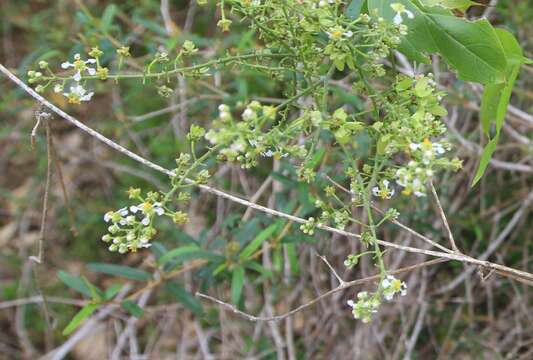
(77, 93)
(80, 66)
(383, 190)
(309, 226)
(322, 3)
(126, 232)
(415, 175)
(367, 304)
(400, 9)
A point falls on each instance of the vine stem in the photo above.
(500, 269)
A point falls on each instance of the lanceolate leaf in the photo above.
(84, 313)
(120, 270)
(237, 283)
(74, 282)
(132, 308)
(184, 297)
(486, 155)
(471, 47)
(496, 98)
(257, 241)
(354, 9)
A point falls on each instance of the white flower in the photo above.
(390, 286)
(78, 94)
(414, 147)
(80, 65)
(400, 9)
(248, 114)
(107, 216)
(58, 88)
(383, 191)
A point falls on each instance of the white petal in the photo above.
(91, 61)
(91, 71)
(87, 97)
(398, 19)
(66, 65)
(134, 209)
(410, 15)
(159, 211)
(386, 183)
(77, 56)
(145, 221)
(350, 303)
(375, 191)
(77, 76)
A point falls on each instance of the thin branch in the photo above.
(323, 258)
(443, 216)
(501, 269)
(40, 255)
(344, 285)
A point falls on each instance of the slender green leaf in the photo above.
(107, 17)
(237, 283)
(184, 297)
(112, 291)
(257, 241)
(74, 282)
(252, 265)
(120, 270)
(132, 308)
(293, 258)
(486, 155)
(187, 253)
(96, 294)
(354, 9)
(84, 313)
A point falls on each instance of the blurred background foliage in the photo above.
(445, 315)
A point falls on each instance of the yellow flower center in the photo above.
(396, 285)
(79, 64)
(336, 35)
(74, 99)
(147, 206)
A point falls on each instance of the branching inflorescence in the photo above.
(306, 44)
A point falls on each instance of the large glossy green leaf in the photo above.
(84, 313)
(120, 270)
(471, 47)
(237, 283)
